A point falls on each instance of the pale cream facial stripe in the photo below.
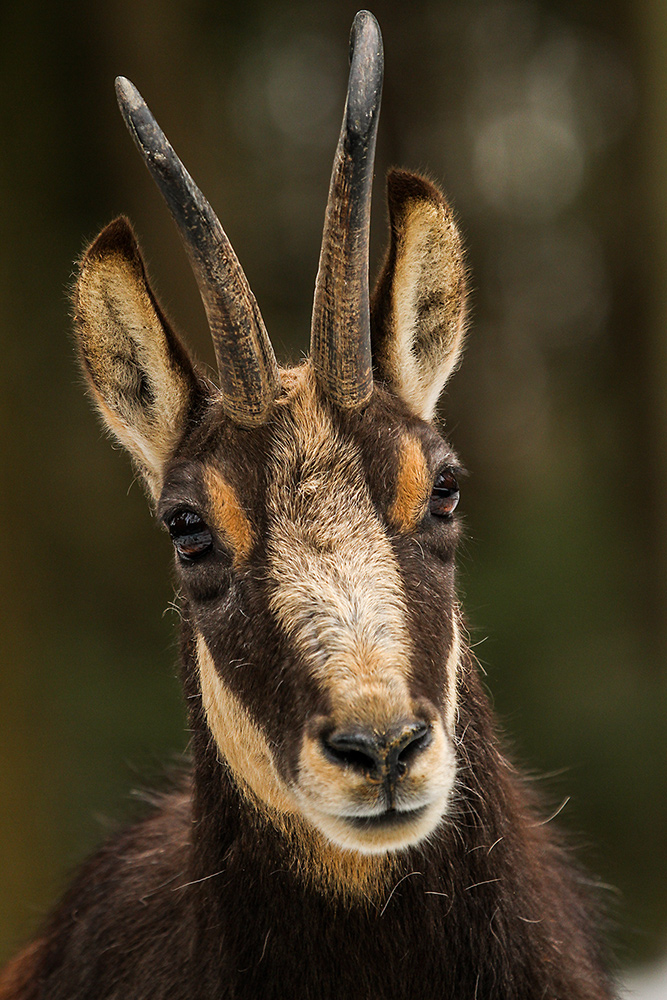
(339, 595)
(452, 670)
(240, 741)
(229, 516)
(413, 486)
(246, 752)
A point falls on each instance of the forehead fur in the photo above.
(339, 594)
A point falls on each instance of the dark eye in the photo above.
(445, 494)
(189, 533)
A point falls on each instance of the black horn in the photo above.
(249, 377)
(340, 339)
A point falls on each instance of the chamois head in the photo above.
(311, 508)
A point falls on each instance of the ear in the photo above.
(418, 308)
(141, 377)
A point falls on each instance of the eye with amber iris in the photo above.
(189, 533)
(445, 494)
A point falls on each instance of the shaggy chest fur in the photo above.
(224, 905)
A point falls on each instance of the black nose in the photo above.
(379, 756)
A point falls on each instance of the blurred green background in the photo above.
(546, 122)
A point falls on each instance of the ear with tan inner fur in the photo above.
(418, 308)
(140, 374)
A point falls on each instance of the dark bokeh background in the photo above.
(546, 121)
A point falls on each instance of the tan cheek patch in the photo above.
(412, 487)
(229, 516)
(240, 741)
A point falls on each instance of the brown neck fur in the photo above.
(492, 889)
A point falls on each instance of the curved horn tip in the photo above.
(366, 37)
(366, 73)
(126, 92)
(137, 116)
(364, 22)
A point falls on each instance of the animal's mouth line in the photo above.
(385, 820)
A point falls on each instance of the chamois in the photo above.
(350, 827)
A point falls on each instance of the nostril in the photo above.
(356, 750)
(414, 739)
(386, 755)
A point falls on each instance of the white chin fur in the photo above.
(396, 835)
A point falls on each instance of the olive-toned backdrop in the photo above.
(546, 122)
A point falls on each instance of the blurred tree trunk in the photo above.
(651, 208)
